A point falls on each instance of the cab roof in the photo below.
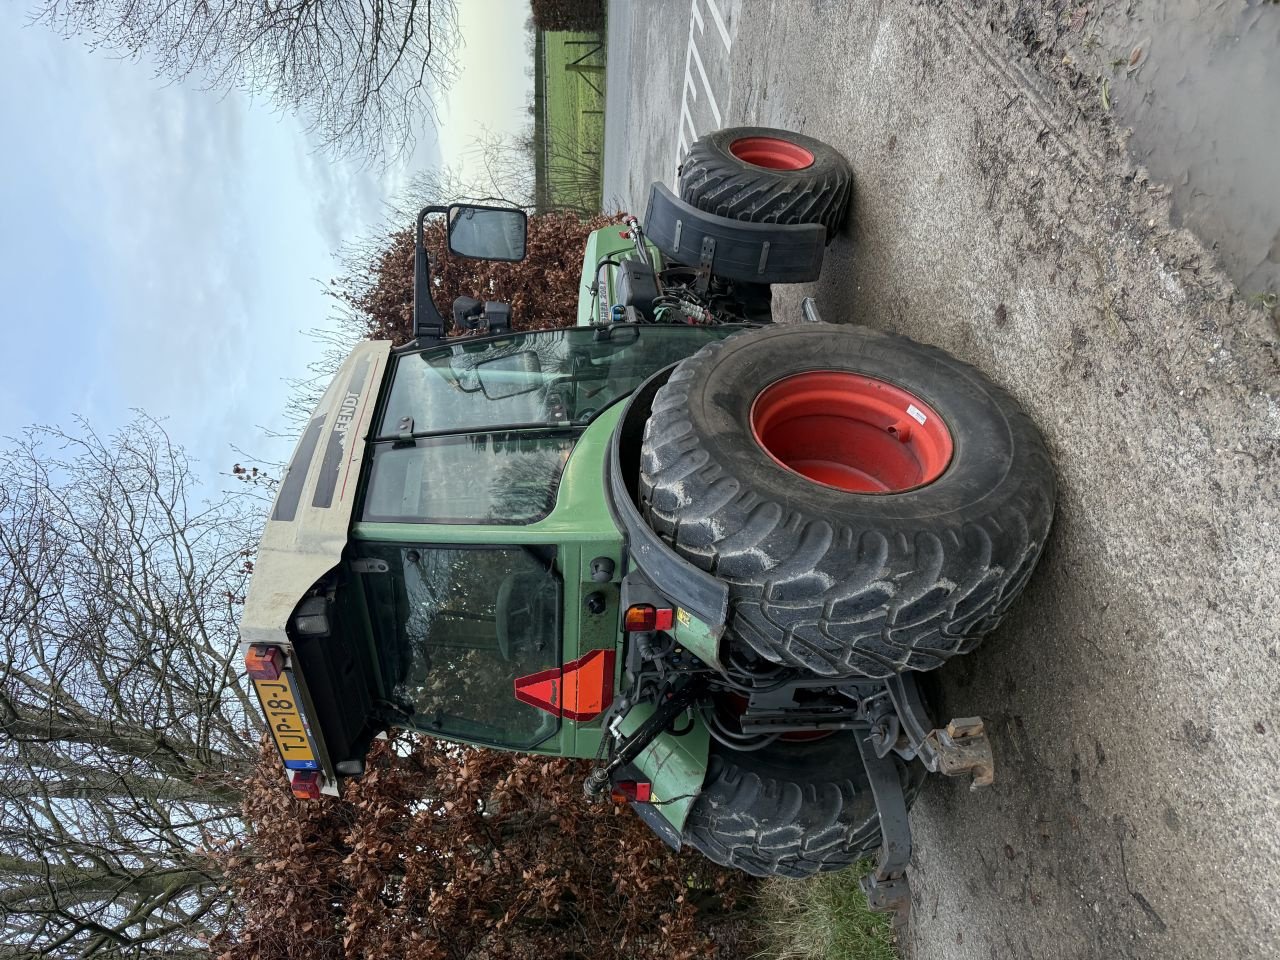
(307, 529)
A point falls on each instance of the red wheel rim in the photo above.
(772, 153)
(851, 432)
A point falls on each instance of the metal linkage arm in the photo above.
(886, 887)
(675, 702)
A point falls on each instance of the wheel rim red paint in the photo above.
(772, 153)
(851, 432)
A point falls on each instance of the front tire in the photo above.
(880, 514)
(764, 175)
(791, 809)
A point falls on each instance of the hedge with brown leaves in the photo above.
(445, 853)
(542, 289)
(440, 852)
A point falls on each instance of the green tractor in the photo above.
(709, 552)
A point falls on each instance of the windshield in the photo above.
(455, 627)
(549, 377)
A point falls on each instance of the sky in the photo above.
(165, 247)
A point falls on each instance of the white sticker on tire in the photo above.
(920, 418)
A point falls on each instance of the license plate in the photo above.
(284, 716)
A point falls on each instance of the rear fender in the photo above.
(734, 249)
(675, 764)
(701, 600)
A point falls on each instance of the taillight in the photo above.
(305, 784)
(634, 791)
(644, 617)
(264, 662)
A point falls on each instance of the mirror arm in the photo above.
(428, 323)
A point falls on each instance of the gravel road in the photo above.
(1134, 693)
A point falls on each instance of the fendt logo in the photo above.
(346, 413)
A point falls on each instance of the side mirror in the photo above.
(487, 233)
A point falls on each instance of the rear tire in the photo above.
(791, 809)
(822, 577)
(793, 179)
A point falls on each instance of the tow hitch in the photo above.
(886, 716)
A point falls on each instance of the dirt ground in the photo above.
(1133, 693)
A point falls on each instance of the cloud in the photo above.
(165, 246)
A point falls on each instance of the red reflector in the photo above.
(634, 791)
(580, 690)
(665, 618)
(264, 662)
(305, 784)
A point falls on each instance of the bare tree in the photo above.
(336, 344)
(497, 169)
(359, 71)
(124, 729)
(574, 177)
(494, 168)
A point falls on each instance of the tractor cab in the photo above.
(439, 557)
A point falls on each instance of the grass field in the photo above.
(822, 919)
(570, 120)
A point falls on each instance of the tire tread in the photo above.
(767, 825)
(714, 180)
